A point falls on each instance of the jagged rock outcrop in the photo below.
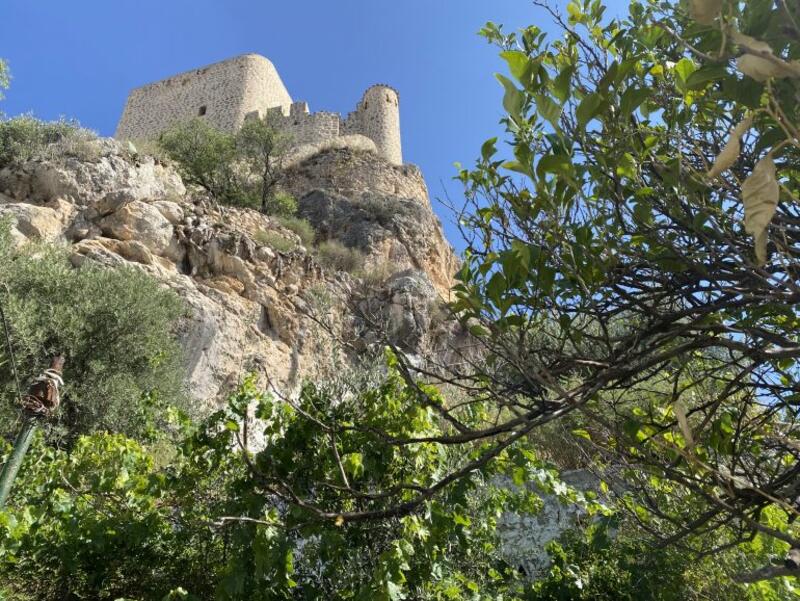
(390, 230)
(252, 304)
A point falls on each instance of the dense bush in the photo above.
(115, 327)
(103, 523)
(240, 169)
(281, 204)
(24, 138)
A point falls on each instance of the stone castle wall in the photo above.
(223, 93)
(304, 127)
(249, 86)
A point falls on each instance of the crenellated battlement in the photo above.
(245, 87)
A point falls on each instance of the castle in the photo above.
(249, 86)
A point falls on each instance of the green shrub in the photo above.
(301, 227)
(240, 169)
(206, 157)
(115, 327)
(24, 138)
(275, 240)
(281, 204)
(335, 256)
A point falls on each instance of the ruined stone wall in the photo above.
(223, 93)
(352, 173)
(303, 127)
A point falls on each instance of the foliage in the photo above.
(24, 138)
(101, 522)
(114, 327)
(612, 270)
(275, 240)
(240, 169)
(206, 157)
(301, 227)
(281, 204)
(607, 561)
(260, 147)
(335, 256)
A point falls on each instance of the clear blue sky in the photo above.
(79, 58)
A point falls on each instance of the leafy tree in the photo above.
(261, 146)
(631, 257)
(241, 168)
(206, 157)
(114, 326)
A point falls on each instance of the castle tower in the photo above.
(379, 119)
(223, 94)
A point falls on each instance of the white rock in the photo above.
(172, 211)
(140, 221)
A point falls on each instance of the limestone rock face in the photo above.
(402, 233)
(139, 221)
(253, 304)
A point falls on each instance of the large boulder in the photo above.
(140, 221)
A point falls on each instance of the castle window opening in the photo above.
(202, 110)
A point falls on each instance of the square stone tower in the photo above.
(223, 93)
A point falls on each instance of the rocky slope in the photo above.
(258, 300)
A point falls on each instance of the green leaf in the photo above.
(627, 167)
(488, 149)
(701, 77)
(684, 68)
(631, 99)
(588, 108)
(561, 84)
(548, 109)
(514, 99)
(558, 164)
(518, 64)
(580, 433)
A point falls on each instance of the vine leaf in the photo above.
(730, 152)
(759, 67)
(705, 11)
(760, 197)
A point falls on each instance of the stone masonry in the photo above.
(249, 86)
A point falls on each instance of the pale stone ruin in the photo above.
(249, 86)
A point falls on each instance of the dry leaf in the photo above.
(760, 197)
(760, 68)
(705, 11)
(730, 152)
(680, 414)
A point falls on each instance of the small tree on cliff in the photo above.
(241, 168)
(262, 148)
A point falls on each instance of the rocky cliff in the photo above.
(258, 300)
